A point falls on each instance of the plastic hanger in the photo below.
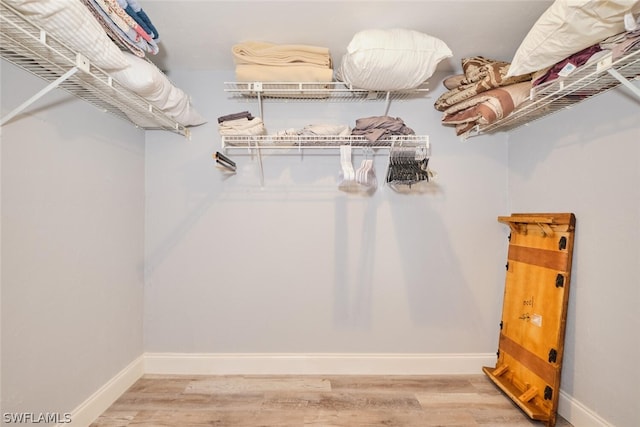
(347, 177)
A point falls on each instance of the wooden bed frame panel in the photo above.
(534, 312)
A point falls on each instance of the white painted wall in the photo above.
(1, 400)
(72, 248)
(587, 160)
(297, 266)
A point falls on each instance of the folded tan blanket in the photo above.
(264, 73)
(480, 75)
(262, 53)
(486, 107)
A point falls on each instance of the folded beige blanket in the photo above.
(262, 53)
(264, 73)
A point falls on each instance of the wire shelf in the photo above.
(34, 50)
(321, 141)
(584, 83)
(315, 91)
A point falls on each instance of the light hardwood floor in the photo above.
(316, 401)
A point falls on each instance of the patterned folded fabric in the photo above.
(486, 107)
(120, 38)
(121, 27)
(134, 10)
(577, 59)
(480, 75)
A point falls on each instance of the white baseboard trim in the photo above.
(577, 414)
(99, 401)
(315, 364)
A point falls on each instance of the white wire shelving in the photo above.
(257, 144)
(286, 92)
(316, 92)
(36, 51)
(585, 82)
(320, 141)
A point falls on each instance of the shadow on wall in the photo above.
(354, 310)
(200, 186)
(428, 271)
(567, 381)
(368, 254)
(563, 130)
(42, 111)
(433, 277)
(35, 111)
(194, 177)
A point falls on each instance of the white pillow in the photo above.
(146, 80)
(567, 27)
(391, 59)
(71, 23)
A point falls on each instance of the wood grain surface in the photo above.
(314, 401)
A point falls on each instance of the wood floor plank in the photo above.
(406, 383)
(462, 400)
(116, 418)
(326, 418)
(260, 418)
(315, 401)
(238, 384)
(341, 401)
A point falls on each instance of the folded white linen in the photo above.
(242, 126)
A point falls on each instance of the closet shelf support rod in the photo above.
(387, 103)
(624, 81)
(54, 84)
